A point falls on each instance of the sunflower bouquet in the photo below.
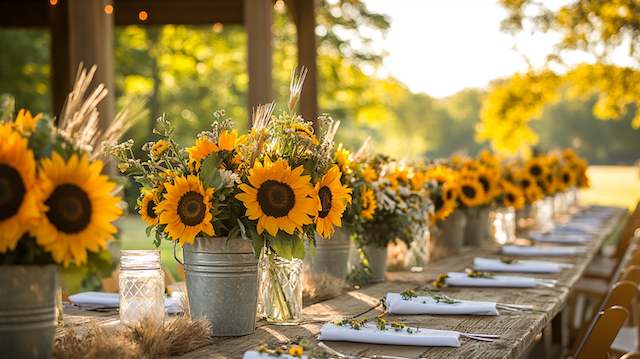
(57, 205)
(444, 190)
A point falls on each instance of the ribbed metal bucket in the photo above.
(377, 262)
(476, 232)
(449, 236)
(332, 255)
(27, 311)
(222, 283)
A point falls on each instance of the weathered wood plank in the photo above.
(518, 331)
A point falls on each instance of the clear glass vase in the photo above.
(503, 225)
(280, 289)
(141, 285)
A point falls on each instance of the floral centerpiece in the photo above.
(57, 207)
(401, 211)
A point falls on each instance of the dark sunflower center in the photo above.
(565, 178)
(484, 181)
(69, 209)
(276, 199)
(526, 183)
(325, 200)
(536, 170)
(151, 209)
(12, 191)
(438, 202)
(449, 194)
(469, 191)
(549, 178)
(191, 208)
(511, 198)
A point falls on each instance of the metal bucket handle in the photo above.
(175, 256)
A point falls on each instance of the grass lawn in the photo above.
(610, 185)
(613, 185)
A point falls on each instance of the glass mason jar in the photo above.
(141, 287)
(503, 225)
(280, 289)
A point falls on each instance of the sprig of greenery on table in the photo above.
(439, 298)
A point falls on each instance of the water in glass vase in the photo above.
(280, 290)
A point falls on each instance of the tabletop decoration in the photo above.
(402, 212)
(188, 197)
(177, 336)
(428, 302)
(448, 221)
(57, 207)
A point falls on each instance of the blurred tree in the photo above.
(597, 28)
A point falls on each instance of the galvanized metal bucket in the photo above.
(222, 284)
(377, 262)
(448, 236)
(476, 232)
(27, 311)
(332, 255)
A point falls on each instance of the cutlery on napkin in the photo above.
(463, 280)
(102, 300)
(542, 250)
(396, 304)
(522, 266)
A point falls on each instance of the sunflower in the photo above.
(147, 206)
(186, 209)
(441, 174)
(445, 202)
(333, 200)
(368, 203)
(305, 131)
(533, 193)
(18, 201)
(343, 159)
(80, 209)
(158, 148)
(278, 197)
(536, 167)
(512, 195)
(227, 140)
(566, 178)
(418, 180)
(199, 151)
(472, 193)
(369, 174)
(548, 183)
(26, 122)
(489, 182)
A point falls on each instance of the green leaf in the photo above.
(282, 246)
(148, 230)
(299, 251)
(209, 172)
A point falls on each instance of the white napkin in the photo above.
(172, 304)
(554, 237)
(463, 280)
(427, 305)
(542, 251)
(372, 335)
(522, 266)
(257, 355)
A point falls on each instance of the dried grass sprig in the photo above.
(261, 115)
(295, 87)
(80, 120)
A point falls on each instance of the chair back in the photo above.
(634, 355)
(628, 231)
(601, 334)
(631, 273)
(622, 294)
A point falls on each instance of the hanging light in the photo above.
(143, 15)
(108, 9)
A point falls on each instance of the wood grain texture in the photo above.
(518, 331)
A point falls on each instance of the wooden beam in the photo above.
(59, 55)
(257, 22)
(191, 12)
(304, 11)
(91, 43)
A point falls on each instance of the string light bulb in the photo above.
(143, 15)
(108, 9)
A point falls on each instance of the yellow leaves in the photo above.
(509, 107)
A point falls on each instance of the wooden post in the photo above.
(307, 57)
(257, 22)
(82, 32)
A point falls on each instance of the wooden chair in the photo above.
(631, 273)
(603, 267)
(634, 355)
(601, 334)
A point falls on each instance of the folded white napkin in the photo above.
(172, 304)
(542, 251)
(569, 238)
(372, 335)
(522, 266)
(427, 305)
(257, 355)
(463, 280)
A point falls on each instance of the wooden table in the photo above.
(517, 330)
